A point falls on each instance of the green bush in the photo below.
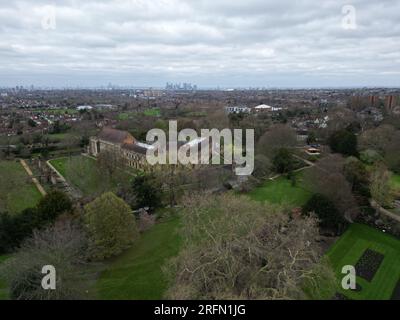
(111, 226)
(326, 212)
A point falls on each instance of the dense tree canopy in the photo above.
(344, 142)
(15, 228)
(111, 226)
(147, 191)
(327, 178)
(329, 217)
(283, 161)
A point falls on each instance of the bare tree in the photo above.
(327, 178)
(62, 246)
(380, 185)
(109, 162)
(239, 249)
(277, 137)
(377, 139)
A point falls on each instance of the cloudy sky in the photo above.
(227, 43)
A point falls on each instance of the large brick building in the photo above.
(131, 151)
(123, 144)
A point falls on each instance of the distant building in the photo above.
(181, 86)
(80, 108)
(266, 108)
(238, 109)
(263, 108)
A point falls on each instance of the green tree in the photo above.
(370, 156)
(14, 229)
(311, 138)
(111, 226)
(326, 212)
(52, 205)
(147, 191)
(344, 142)
(283, 161)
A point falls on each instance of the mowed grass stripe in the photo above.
(351, 246)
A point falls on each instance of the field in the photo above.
(3, 288)
(352, 245)
(395, 182)
(152, 112)
(137, 273)
(126, 115)
(61, 137)
(17, 191)
(81, 172)
(280, 191)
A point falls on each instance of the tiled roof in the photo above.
(135, 148)
(113, 135)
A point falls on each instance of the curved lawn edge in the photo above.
(137, 273)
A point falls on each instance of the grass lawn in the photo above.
(281, 191)
(60, 136)
(60, 165)
(3, 287)
(395, 182)
(137, 273)
(17, 191)
(82, 173)
(351, 246)
(152, 112)
(126, 115)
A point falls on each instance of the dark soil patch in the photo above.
(369, 264)
(396, 292)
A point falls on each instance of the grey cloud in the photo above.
(211, 42)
